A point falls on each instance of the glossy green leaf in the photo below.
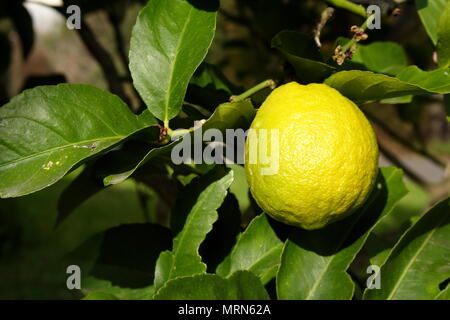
(228, 115)
(231, 115)
(240, 189)
(123, 168)
(99, 295)
(444, 294)
(314, 263)
(169, 41)
(184, 259)
(93, 287)
(364, 86)
(420, 261)
(429, 12)
(47, 131)
(390, 228)
(209, 76)
(435, 81)
(258, 249)
(443, 38)
(397, 100)
(242, 285)
(383, 57)
(300, 50)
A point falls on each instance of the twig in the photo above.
(265, 84)
(324, 17)
(349, 6)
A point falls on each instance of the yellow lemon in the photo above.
(311, 155)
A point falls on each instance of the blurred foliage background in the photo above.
(36, 48)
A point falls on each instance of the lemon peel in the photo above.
(327, 159)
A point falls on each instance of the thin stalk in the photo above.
(265, 84)
(349, 6)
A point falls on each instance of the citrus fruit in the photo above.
(320, 155)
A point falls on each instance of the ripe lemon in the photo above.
(321, 163)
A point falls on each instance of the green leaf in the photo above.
(391, 227)
(169, 41)
(436, 81)
(231, 115)
(443, 38)
(99, 295)
(228, 115)
(126, 164)
(47, 131)
(444, 294)
(429, 12)
(324, 255)
(94, 287)
(258, 249)
(242, 285)
(364, 86)
(299, 50)
(240, 189)
(397, 100)
(184, 259)
(383, 57)
(420, 261)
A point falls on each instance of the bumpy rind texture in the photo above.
(328, 156)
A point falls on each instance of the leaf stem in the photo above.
(265, 84)
(349, 6)
(180, 132)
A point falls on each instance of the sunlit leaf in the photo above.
(443, 38)
(47, 131)
(184, 259)
(420, 261)
(258, 249)
(364, 86)
(169, 41)
(242, 285)
(429, 12)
